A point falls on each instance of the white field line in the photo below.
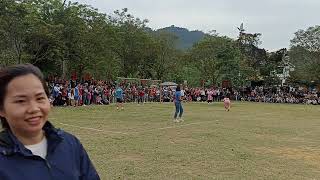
(93, 129)
(170, 127)
(134, 132)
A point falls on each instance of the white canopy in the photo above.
(168, 84)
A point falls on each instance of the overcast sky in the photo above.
(276, 20)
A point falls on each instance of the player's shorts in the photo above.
(119, 100)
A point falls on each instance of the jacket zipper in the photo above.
(49, 169)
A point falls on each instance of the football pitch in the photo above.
(252, 141)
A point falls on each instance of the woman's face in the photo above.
(26, 105)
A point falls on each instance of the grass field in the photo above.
(252, 141)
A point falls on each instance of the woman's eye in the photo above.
(20, 101)
(40, 98)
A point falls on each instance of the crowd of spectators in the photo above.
(71, 93)
(292, 95)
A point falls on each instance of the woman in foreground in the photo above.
(30, 146)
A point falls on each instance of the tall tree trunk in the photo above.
(64, 69)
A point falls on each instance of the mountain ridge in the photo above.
(186, 39)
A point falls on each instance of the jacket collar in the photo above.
(9, 144)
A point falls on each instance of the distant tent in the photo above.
(168, 84)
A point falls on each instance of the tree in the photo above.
(217, 58)
(252, 57)
(71, 36)
(130, 41)
(13, 25)
(305, 54)
(164, 55)
(306, 64)
(308, 39)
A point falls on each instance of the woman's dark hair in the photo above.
(178, 88)
(7, 74)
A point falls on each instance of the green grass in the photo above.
(252, 141)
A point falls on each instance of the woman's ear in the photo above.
(2, 114)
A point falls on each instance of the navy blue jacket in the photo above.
(66, 158)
